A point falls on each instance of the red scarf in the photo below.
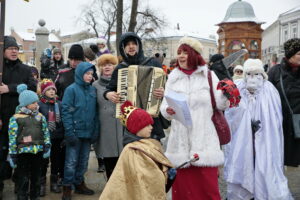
(187, 71)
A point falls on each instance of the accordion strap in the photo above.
(143, 63)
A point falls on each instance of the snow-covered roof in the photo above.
(295, 9)
(31, 36)
(173, 32)
(240, 11)
(89, 41)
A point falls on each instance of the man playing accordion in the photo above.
(131, 50)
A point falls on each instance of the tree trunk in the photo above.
(119, 23)
(133, 15)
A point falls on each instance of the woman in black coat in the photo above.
(289, 68)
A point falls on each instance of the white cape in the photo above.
(265, 180)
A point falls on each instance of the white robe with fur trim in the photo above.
(202, 138)
(265, 179)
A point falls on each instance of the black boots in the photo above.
(67, 190)
(101, 167)
(54, 187)
(43, 186)
(82, 189)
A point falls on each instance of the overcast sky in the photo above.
(192, 15)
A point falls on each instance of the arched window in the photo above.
(253, 45)
(236, 45)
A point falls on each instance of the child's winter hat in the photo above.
(46, 84)
(254, 65)
(134, 118)
(26, 97)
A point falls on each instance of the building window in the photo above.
(236, 45)
(31, 47)
(285, 34)
(253, 45)
(253, 54)
(294, 31)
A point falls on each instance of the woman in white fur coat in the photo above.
(198, 180)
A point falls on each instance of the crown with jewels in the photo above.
(126, 111)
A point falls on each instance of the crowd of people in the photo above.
(56, 116)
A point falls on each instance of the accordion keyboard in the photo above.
(121, 89)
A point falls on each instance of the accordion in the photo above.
(136, 83)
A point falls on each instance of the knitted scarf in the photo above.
(53, 115)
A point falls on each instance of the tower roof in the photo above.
(240, 11)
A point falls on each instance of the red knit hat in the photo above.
(134, 118)
(47, 84)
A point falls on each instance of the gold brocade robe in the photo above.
(140, 173)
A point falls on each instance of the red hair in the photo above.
(194, 58)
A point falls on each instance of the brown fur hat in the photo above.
(107, 58)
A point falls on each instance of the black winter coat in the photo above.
(291, 82)
(44, 108)
(49, 67)
(14, 73)
(65, 77)
(157, 132)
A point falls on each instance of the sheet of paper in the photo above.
(178, 102)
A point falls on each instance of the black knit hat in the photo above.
(216, 58)
(76, 52)
(291, 47)
(10, 41)
(95, 48)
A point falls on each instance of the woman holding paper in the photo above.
(198, 180)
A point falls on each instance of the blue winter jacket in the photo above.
(79, 111)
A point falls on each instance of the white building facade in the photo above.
(287, 26)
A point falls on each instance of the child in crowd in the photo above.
(80, 120)
(29, 143)
(50, 107)
(142, 169)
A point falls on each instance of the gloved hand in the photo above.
(172, 173)
(47, 151)
(230, 90)
(47, 52)
(171, 178)
(71, 140)
(13, 160)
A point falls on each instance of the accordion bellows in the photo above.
(136, 84)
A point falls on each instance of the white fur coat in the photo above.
(202, 138)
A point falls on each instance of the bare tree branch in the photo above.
(133, 15)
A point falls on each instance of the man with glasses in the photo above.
(14, 73)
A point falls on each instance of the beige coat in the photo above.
(141, 173)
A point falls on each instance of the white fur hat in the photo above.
(254, 65)
(192, 42)
(101, 41)
(238, 67)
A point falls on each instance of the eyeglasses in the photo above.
(13, 49)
